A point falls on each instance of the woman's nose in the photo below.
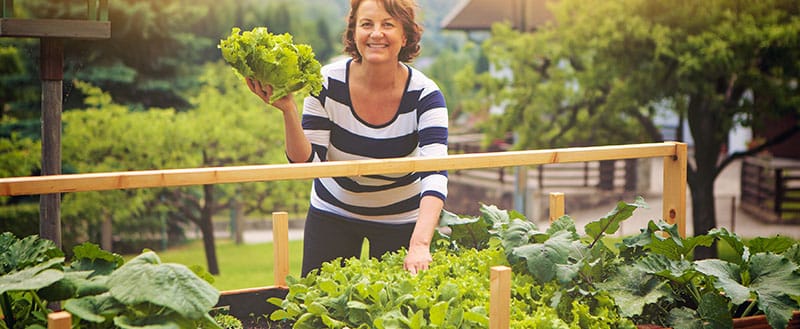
(377, 33)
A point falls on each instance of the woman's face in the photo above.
(378, 36)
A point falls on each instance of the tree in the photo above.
(604, 68)
(227, 126)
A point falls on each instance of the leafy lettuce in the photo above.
(273, 59)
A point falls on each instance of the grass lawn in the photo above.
(240, 266)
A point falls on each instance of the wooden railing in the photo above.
(771, 190)
(674, 157)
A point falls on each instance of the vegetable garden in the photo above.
(497, 270)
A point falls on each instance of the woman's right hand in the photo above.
(264, 91)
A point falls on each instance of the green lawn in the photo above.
(240, 266)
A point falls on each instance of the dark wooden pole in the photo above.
(52, 74)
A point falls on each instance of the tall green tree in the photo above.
(600, 73)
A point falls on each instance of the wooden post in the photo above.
(280, 245)
(556, 205)
(674, 193)
(59, 320)
(500, 298)
(52, 63)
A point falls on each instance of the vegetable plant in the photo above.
(561, 279)
(272, 59)
(453, 293)
(652, 276)
(98, 288)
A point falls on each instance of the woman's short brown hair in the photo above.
(403, 11)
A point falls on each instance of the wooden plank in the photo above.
(54, 28)
(500, 297)
(280, 238)
(59, 320)
(255, 173)
(556, 205)
(674, 193)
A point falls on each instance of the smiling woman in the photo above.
(372, 106)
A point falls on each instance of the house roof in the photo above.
(471, 15)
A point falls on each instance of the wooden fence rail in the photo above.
(674, 155)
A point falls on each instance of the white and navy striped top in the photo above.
(336, 133)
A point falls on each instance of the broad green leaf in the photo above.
(563, 223)
(542, 258)
(94, 308)
(729, 278)
(774, 280)
(89, 256)
(609, 224)
(714, 311)
(734, 241)
(152, 322)
(519, 233)
(680, 271)
(16, 254)
(32, 278)
(776, 244)
(145, 279)
(685, 317)
(632, 289)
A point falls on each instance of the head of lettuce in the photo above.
(273, 59)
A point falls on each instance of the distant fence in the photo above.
(604, 175)
(770, 189)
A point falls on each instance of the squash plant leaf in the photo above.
(776, 244)
(729, 278)
(468, 232)
(713, 311)
(144, 279)
(609, 224)
(89, 256)
(94, 308)
(563, 223)
(632, 289)
(32, 278)
(542, 259)
(17, 254)
(680, 271)
(734, 241)
(774, 281)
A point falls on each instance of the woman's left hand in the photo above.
(418, 259)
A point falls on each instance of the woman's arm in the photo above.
(298, 148)
(419, 247)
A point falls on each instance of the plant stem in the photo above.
(749, 309)
(8, 313)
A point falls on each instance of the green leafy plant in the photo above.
(452, 293)
(272, 59)
(652, 276)
(99, 288)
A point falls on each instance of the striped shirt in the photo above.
(336, 133)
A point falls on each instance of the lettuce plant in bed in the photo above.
(272, 59)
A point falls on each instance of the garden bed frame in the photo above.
(236, 301)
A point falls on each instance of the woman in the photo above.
(372, 106)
